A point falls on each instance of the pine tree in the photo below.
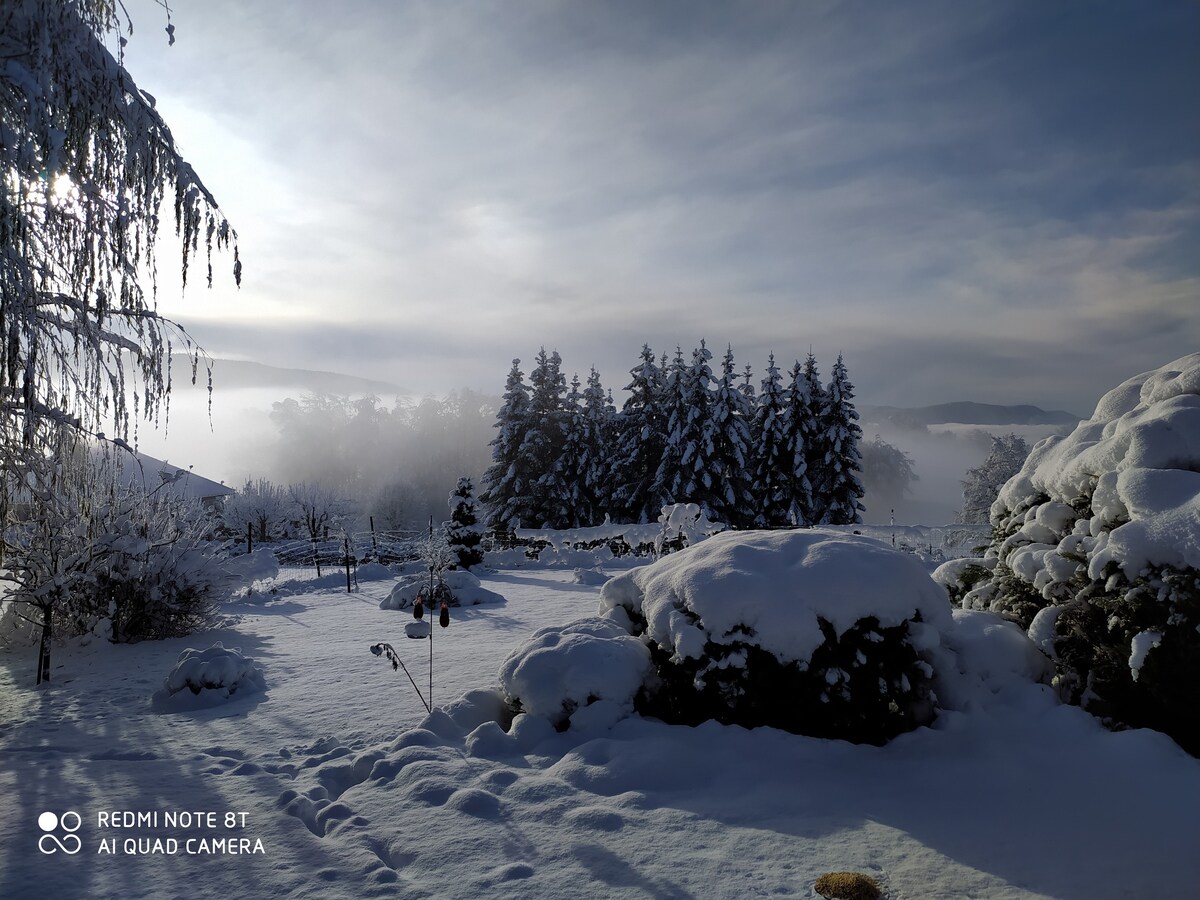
(568, 505)
(805, 399)
(728, 433)
(597, 426)
(509, 480)
(464, 534)
(544, 440)
(686, 474)
(840, 487)
(773, 471)
(639, 444)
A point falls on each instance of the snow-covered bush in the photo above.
(815, 631)
(583, 674)
(456, 586)
(1096, 551)
(216, 673)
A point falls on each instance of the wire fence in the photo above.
(344, 553)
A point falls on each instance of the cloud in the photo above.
(995, 202)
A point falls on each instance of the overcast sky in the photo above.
(987, 201)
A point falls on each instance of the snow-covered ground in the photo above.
(349, 790)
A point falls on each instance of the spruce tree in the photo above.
(639, 444)
(841, 486)
(686, 474)
(597, 425)
(727, 431)
(464, 534)
(508, 482)
(805, 399)
(544, 440)
(773, 472)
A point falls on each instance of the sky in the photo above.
(997, 202)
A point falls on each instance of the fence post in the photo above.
(249, 537)
(347, 543)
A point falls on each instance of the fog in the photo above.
(400, 456)
(941, 456)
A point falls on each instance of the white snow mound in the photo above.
(211, 676)
(565, 668)
(777, 584)
(464, 586)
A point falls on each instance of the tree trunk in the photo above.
(44, 647)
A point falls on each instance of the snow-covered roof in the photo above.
(142, 469)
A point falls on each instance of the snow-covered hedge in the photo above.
(465, 590)
(206, 677)
(1097, 553)
(813, 631)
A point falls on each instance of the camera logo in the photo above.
(50, 842)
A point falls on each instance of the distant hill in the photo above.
(966, 412)
(232, 374)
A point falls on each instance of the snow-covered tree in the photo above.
(86, 163)
(508, 482)
(728, 433)
(639, 444)
(545, 437)
(772, 463)
(582, 467)
(463, 532)
(687, 468)
(983, 483)
(805, 399)
(839, 488)
(261, 506)
(887, 473)
(317, 509)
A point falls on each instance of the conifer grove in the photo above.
(785, 455)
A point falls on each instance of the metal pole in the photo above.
(431, 602)
(249, 537)
(347, 543)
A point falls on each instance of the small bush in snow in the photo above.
(456, 586)
(815, 632)
(1096, 551)
(217, 671)
(561, 671)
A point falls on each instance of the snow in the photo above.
(203, 678)
(782, 582)
(1138, 461)
(355, 792)
(1141, 645)
(563, 667)
(464, 586)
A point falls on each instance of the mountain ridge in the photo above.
(967, 412)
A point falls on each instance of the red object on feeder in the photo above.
(419, 607)
(444, 616)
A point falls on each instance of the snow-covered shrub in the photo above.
(457, 587)
(1096, 551)
(216, 673)
(584, 674)
(961, 576)
(814, 631)
(464, 533)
